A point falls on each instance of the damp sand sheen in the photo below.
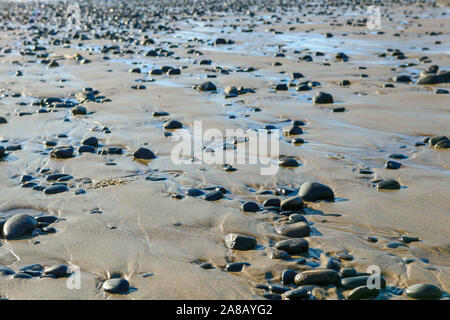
(93, 205)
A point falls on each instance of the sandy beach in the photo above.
(95, 96)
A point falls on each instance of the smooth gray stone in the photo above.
(293, 246)
(436, 139)
(79, 110)
(348, 272)
(423, 291)
(288, 163)
(393, 165)
(236, 266)
(91, 141)
(317, 277)
(63, 152)
(362, 292)
(4, 271)
(294, 230)
(47, 219)
(443, 144)
(408, 239)
(18, 226)
(195, 192)
(206, 86)
(277, 254)
(58, 271)
(240, 242)
(116, 285)
(333, 263)
(314, 191)
(296, 294)
(293, 203)
(250, 207)
(273, 202)
(144, 153)
(351, 283)
(388, 185)
(296, 217)
(172, 124)
(56, 189)
(213, 195)
(276, 288)
(288, 276)
(21, 275)
(206, 265)
(34, 270)
(322, 98)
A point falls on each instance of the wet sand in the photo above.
(115, 221)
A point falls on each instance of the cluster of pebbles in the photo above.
(292, 230)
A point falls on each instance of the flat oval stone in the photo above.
(296, 294)
(213, 195)
(288, 163)
(18, 226)
(58, 271)
(393, 165)
(116, 285)
(423, 291)
(293, 246)
(4, 271)
(294, 230)
(250, 207)
(56, 189)
(274, 202)
(293, 203)
(236, 266)
(317, 277)
(351, 283)
(195, 192)
(240, 242)
(91, 141)
(362, 292)
(63, 152)
(314, 191)
(390, 184)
